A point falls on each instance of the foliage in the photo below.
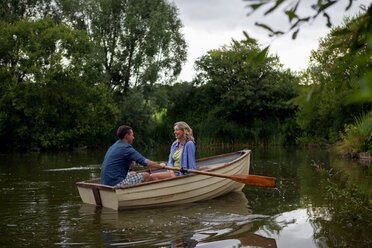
(240, 94)
(334, 73)
(13, 11)
(134, 45)
(51, 96)
(292, 12)
(357, 137)
(350, 208)
(235, 101)
(136, 112)
(140, 40)
(358, 32)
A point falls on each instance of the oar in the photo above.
(247, 179)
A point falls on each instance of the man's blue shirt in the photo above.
(117, 162)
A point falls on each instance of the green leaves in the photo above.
(357, 137)
(340, 73)
(272, 32)
(255, 56)
(144, 46)
(294, 35)
(363, 93)
(258, 57)
(51, 94)
(277, 3)
(291, 11)
(242, 85)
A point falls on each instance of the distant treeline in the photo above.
(71, 72)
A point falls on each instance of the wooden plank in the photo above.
(97, 197)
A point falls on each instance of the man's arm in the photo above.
(154, 165)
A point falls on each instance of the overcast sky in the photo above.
(210, 24)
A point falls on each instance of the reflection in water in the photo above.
(181, 226)
(292, 229)
(250, 240)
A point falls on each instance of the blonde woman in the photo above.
(182, 152)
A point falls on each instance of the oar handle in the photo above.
(196, 172)
(172, 168)
(247, 179)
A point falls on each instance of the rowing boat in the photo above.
(171, 191)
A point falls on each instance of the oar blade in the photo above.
(255, 180)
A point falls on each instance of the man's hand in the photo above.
(131, 166)
(162, 165)
(154, 165)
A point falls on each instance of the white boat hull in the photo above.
(171, 191)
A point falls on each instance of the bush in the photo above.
(357, 137)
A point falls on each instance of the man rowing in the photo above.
(121, 157)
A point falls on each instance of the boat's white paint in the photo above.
(172, 191)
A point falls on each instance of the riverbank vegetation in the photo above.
(357, 138)
(347, 218)
(72, 71)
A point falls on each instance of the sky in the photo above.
(211, 24)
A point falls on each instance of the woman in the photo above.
(182, 152)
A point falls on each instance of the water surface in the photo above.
(41, 206)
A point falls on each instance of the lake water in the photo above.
(41, 207)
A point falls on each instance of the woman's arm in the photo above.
(190, 155)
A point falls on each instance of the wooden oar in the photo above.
(247, 179)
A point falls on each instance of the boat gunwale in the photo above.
(91, 183)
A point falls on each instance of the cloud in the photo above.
(206, 14)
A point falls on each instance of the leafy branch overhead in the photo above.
(359, 30)
(291, 11)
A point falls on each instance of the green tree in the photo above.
(140, 40)
(358, 30)
(137, 112)
(247, 91)
(51, 95)
(233, 100)
(335, 72)
(15, 10)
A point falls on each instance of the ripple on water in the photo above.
(74, 168)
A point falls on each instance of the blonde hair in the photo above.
(187, 131)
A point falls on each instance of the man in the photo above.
(121, 156)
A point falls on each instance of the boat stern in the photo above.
(98, 194)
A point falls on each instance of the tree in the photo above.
(15, 10)
(51, 95)
(246, 91)
(235, 100)
(140, 40)
(335, 70)
(358, 30)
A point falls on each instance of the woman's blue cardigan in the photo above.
(187, 157)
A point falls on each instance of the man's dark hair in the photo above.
(123, 130)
